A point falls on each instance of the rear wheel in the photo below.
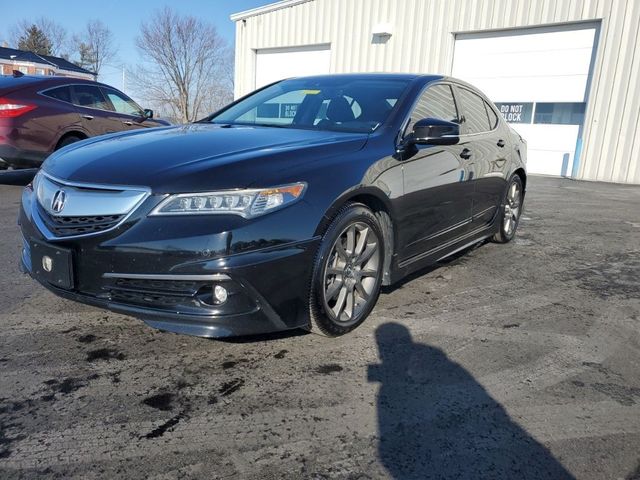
(347, 272)
(67, 141)
(511, 211)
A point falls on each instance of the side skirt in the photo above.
(441, 252)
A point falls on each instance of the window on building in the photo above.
(475, 112)
(121, 103)
(40, 71)
(22, 69)
(90, 96)
(60, 93)
(560, 113)
(279, 110)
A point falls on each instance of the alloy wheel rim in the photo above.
(351, 273)
(511, 209)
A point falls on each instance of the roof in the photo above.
(24, 56)
(265, 9)
(368, 76)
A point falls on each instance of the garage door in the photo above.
(538, 78)
(276, 64)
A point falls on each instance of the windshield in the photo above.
(331, 103)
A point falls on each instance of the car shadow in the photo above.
(449, 261)
(264, 337)
(17, 177)
(436, 421)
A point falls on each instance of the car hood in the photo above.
(197, 157)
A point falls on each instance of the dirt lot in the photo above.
(511, 361)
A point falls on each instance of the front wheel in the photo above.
(347, 272)
(511, 211)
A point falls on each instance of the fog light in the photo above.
(220, 294)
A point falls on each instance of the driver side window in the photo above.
(435, 102)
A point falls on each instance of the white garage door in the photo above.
(276, 64)
(538, 78)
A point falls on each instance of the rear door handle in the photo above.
(466, 153)
(88, 117)
(501, 143)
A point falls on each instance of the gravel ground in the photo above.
(510, 361)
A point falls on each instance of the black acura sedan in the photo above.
(287, 209)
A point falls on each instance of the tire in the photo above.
(67, 141)
(347, 272)
(510, 211)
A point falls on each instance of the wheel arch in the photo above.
(523, 177)
(72, 133)
(379, 203)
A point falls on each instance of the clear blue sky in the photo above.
(123, 17)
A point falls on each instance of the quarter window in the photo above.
(493, 117)
(435, 102)
(475, 112)
(91, 97)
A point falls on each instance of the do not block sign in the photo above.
(516, 112)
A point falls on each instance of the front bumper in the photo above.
(163, 270)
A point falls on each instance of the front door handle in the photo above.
(501, 143)
(466, 154)
(127, 123)
(88, 117)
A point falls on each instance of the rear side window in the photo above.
(60, 93)
(435, 102)
(475, 112)
(91, 97)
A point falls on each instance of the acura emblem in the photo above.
(47, 263)
(57, 204)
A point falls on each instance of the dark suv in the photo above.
(41, 114)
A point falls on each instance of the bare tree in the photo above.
(55, 34)
(185, 65)
(95, 46)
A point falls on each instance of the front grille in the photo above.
(69, 226)
(81, 209)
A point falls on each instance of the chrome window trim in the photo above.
(169, 276)
(35, 214)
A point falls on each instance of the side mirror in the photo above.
(432, 131)
(147, 113)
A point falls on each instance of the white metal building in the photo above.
(565, 73)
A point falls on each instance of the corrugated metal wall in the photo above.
(423, 41)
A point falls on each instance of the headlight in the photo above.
(246, 203)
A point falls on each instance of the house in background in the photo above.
(31, 63)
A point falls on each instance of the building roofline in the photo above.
(265, 9)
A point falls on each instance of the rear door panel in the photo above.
(486, 139)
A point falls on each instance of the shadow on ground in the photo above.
(436, 421)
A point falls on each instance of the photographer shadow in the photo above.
(436, 421)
